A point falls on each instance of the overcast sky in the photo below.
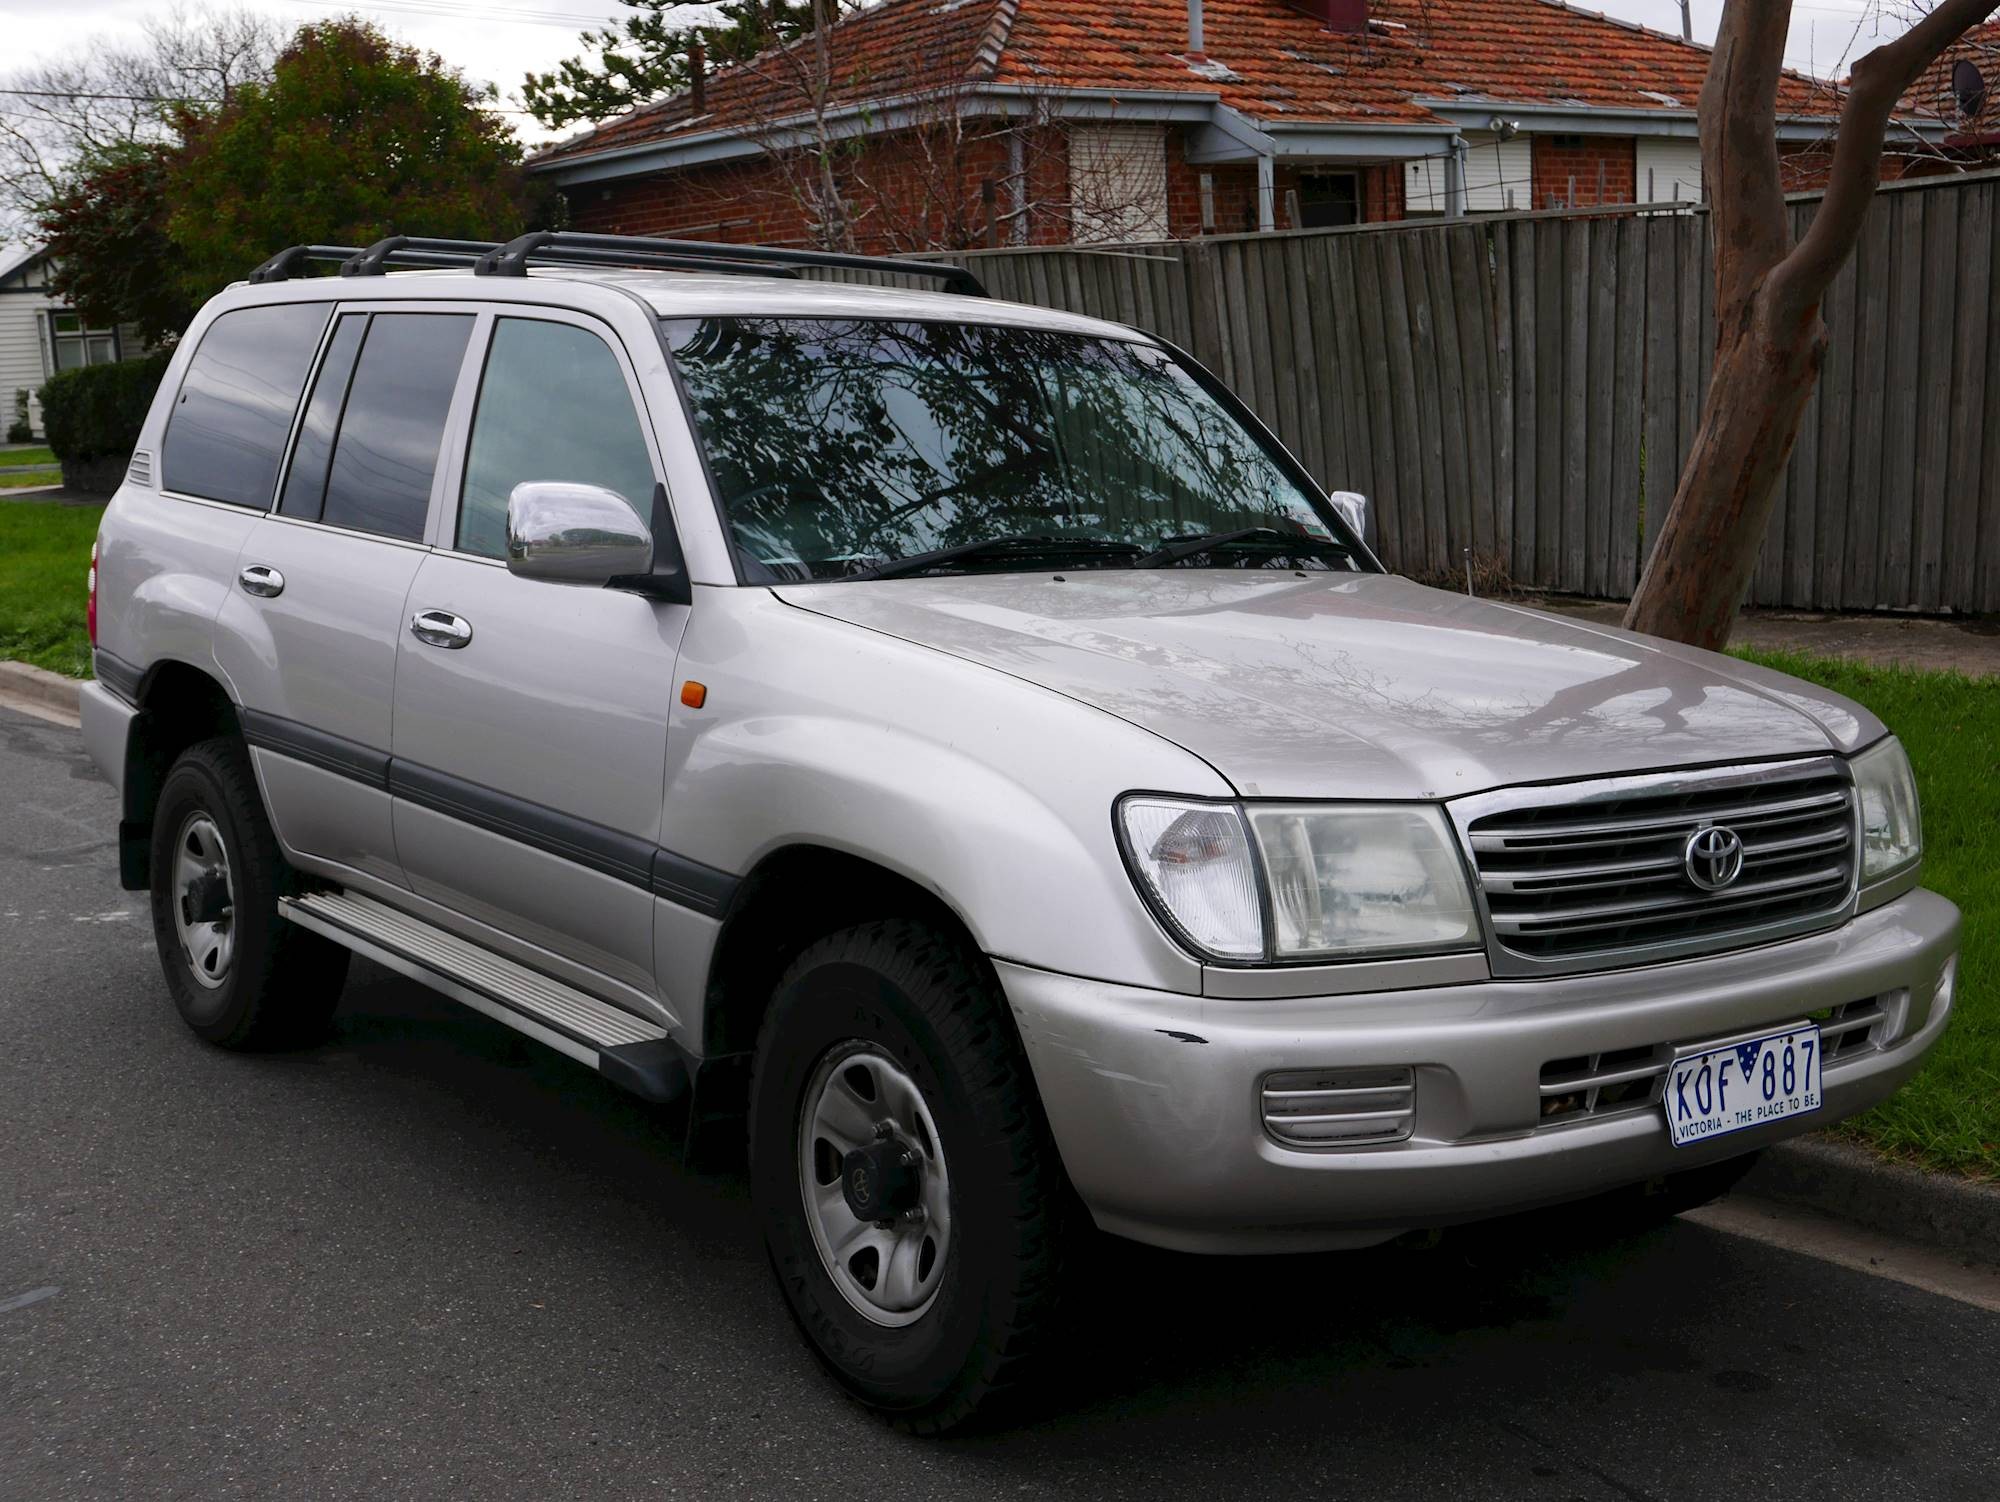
(500, 41)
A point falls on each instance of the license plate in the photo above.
(1714, 1089)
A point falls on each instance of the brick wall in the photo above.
(1562, 164)
(900, 197)
(902, 201)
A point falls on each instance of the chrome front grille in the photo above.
(1593, 1086)
(1578, 875)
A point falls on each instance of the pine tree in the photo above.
(648, 57)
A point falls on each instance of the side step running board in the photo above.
(625, 1049)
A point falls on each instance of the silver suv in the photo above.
(957, 740)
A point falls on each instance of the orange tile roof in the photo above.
(1934, 95)
(1269, 60)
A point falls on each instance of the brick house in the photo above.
(927, 124)
(1961, 92)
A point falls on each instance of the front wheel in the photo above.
(910, 1196)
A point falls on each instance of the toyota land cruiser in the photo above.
(956, 739)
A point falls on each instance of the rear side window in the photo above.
(553, 406)
(392, 423)
(305, 482)
(227, 432)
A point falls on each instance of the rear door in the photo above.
(531, 718)
(318, 607)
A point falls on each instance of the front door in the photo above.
(531, 718)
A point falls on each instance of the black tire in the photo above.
(934, 1011)
(280, 983)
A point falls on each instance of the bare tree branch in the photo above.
(1878, 82)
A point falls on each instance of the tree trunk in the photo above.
(1707, 549)
(1769, 338)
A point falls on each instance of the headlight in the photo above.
(1892, 830)
(1288, 882)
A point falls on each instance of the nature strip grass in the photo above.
(1948, 1117)
(44, 574)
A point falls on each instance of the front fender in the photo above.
(993, 793)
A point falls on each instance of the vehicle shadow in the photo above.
(1540, 1357)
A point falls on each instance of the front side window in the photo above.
(853, 447)
(553, 405)
(227, 432)
(392, 423)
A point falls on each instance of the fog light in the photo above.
(1340, 1107)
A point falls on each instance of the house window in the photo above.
(1118, 184)
(1329, 199)
(68, 345)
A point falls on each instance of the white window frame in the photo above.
(83, 335)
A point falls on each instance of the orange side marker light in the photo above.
(693, 694)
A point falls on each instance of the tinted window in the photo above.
(553, 405)
(393, 424)
(842, 445)
(305, 482)
(228, 428)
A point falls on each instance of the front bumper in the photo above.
(1154, 1097)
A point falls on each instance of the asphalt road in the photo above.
(427, 1259)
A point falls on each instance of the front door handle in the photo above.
(265, 583)
(440, 628)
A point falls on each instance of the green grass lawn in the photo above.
(1949, 1116)
(20, 479)
(44, 572)
(34, 454)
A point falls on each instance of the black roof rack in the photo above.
(355, 260)
(572, 248)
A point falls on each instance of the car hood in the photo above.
(1356, 685)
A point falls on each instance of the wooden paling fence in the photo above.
(1527, 386)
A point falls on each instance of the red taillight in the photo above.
(90, 612)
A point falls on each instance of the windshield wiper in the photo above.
(1031, 544)
(1189, 547)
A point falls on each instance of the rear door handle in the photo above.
(440, 628)
(257, 579)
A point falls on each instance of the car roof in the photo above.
(681, 294)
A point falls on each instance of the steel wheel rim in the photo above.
(890, 1275)
(200, 857)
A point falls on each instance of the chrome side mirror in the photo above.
(574, 534)
(1353, 508)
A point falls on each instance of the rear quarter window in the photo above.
(226, 434)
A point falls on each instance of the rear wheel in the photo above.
(241, 976)
(910, 1196)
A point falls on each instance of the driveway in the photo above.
(426, 1259)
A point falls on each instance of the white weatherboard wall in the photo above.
(1118, 181)
(1674, 163)
(1493, 168)
(22, 303)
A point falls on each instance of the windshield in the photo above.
(849, 448)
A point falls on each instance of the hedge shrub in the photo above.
(96, 412)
